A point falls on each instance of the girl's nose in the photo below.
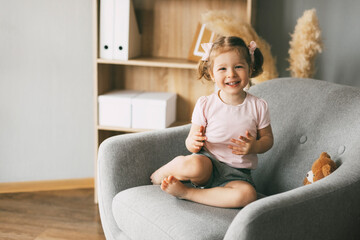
(231, 73)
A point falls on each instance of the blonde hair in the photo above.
(231, 43)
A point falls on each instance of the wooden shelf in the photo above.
(152, 62)
(135, 130)
(167, 29)
(121, 129)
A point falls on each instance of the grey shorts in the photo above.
(223, 173)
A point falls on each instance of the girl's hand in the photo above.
(195, 140)
(198, 138)
(243, 145)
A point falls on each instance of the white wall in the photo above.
(46, 90)
(338, 20)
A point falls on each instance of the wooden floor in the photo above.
(51, 215)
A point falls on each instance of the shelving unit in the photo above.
(153, 62)
(167, 28)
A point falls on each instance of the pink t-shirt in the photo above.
(223, 122)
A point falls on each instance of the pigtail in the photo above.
(203, 70)
(257, 64)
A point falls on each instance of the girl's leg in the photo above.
(235, 194)
(196, 168)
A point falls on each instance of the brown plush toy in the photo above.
(321, 168)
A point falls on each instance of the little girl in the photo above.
(228, 129)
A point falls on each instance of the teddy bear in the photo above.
(321, 168)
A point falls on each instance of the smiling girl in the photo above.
(229, 128)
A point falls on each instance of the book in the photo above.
(127, 37)
(106, 29)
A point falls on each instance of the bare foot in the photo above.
(158, 176)
(174, 187)
(171, 168)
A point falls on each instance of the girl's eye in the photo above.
(238, 67)
(222, 69)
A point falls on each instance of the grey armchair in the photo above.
(308, 117)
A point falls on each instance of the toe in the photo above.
(172, 179)
(164, 181)
(164, 185)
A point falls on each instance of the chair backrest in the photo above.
(307, 117)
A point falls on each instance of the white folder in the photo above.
(106, 29)
(127, 37)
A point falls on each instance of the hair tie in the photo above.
(207, 47)
(252, 47)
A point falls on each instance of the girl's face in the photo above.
(230, 72)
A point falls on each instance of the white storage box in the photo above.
(115, 108)
(154, 110)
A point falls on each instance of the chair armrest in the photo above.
(128, 160)
(327, 209)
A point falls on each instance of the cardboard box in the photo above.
(154, 110)
(115, 108)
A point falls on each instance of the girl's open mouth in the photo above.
(233, 84)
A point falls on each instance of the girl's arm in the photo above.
(265, 140)
(249, 144)
(195, 140)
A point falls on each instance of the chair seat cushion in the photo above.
(146, 212)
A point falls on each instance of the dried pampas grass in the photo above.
(306, 43)
(225, 24)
